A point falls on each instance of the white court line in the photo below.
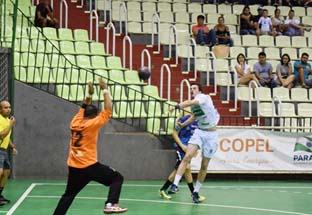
(21, 199)
(187, 203)
(205, 186)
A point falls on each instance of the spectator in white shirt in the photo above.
(265, 24)
(294, 28)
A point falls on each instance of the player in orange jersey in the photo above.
(82, 159)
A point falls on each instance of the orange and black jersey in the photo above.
(84, 135)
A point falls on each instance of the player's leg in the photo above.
(166, 185)
(77, 180)
(191, 150)
(209, 148)
(109, 177)
(4, 174)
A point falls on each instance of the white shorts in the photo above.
(207, 141)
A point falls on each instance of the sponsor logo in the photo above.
(245, 145)
(303, 150)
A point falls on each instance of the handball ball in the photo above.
(144, 73)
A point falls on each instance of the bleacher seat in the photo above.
(282, 93)
(299, 94)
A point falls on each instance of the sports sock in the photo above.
(191, 186)
(197, 186)
(177, 179)
(166, 185)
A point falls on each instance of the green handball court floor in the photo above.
(141, 197)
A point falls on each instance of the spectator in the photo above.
(278, 22)
(264, 71)
(246, 22)
(223, 33)
(294, 28)
(266, 24)
(44, 15)
(256, 19)
(302, 69)
(284, 72)
(243, 71)
(202, 34)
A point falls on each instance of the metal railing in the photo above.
(108, 27)
(126, 38)
(149, 62)
(94, 15)
(63, 2)
(185, 81)
(155, 18)
(123, 8)
(211, 56)
(165, 66)
(175, 34)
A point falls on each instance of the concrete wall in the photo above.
(42, 134)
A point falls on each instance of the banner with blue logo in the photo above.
(263, 151)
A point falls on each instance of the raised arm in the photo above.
(7, 130)
(107, 100)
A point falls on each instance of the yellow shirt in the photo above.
(4, 123)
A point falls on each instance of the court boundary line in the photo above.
(184, 203)
(21, 199)
(204, 186)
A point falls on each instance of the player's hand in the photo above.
(12, 120)
(90, 88)
(102, 83)
(15, 152)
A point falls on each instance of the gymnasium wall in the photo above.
(42, 133)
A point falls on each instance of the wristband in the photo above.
(177, 107)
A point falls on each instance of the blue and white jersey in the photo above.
(187, 131)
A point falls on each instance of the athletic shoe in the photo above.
(111, 209)
(4, 201)
(164, 195)
(173, 189)
(201, 198)
(195, 197)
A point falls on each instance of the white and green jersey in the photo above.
(205, 113)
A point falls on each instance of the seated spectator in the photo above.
(278, 22)
(285, 76)
(246, 22)
(302, 69)
(243, 71)
(264, 71)
(202, 34)
(256, 19)
(265, 24)
(223, 33)
(294, 28)
(44, 15)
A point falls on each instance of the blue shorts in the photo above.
(180, 155)
(4, 159)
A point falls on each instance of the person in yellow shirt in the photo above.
(82, 160)
(6, 124)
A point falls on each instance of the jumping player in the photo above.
(204, 137)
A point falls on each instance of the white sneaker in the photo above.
(110, 209)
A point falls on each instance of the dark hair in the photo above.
(291, 10)
(246, 7)
(240, 54)
(200, 17)
(220, 17)
(262, 54)
(265, 10)
(304, 54)
(276, 10)
(198, 85)
(90, 111)
(285, 55)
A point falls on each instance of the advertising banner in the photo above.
(252, 150)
